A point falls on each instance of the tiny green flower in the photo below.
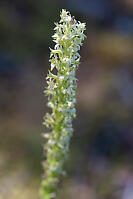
(61, 92)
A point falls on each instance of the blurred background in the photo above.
(100, 163)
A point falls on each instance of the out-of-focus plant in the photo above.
(61, 92)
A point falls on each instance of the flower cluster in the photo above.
(61, 92)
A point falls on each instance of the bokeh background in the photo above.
(100, 163)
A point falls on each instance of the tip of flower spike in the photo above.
(64, 13)
(65, 16)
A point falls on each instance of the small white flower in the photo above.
(81, 26)
(52, 66)
(51, 142)
(55, 35)
(60, 109)
(45, 135)
(61, 78)
(66, 60)
(50, 105)
(67, 73)
(63, 13)
(64, 91)
(69, 104)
